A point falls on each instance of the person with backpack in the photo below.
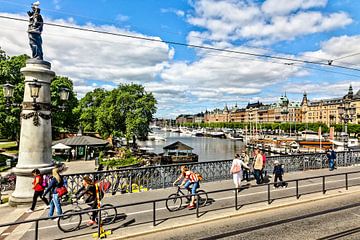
(56, 183)
(88, 191)
(38, 186)
(189, 178)
(237, 170)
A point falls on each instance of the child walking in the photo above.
(278, 172)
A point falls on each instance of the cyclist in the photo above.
(88, 190)
(189, 178)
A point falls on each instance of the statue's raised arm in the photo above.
(35, 29)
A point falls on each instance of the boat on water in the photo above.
(234, 136)
(156, 137)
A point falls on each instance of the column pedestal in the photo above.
(35, 134)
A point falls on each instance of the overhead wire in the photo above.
(188, 45)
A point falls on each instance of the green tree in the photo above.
(126, 111)
(87, 108)
(68, 118)
(10, 73)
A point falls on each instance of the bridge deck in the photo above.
(138, 219)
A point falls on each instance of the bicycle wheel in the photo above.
(203, 198)
(108, 215)
(173, 203)
(69, 223)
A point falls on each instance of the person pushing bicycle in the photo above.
(189, 178)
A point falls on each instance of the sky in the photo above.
(189, 80)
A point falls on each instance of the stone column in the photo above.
(35, 134)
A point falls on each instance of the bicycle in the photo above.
(73, 222)
(174, 201)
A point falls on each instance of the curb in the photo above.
(237, 214)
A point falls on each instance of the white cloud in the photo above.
(84, 56)
(177, 12)
(275, 20)
(282, 7)
(122, 18)
(344, 48)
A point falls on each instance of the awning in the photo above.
(60, 146)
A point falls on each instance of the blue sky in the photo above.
(189, 80)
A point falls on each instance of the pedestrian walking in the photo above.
(278, 172)
(246, 160)
(236, 170)
(263, 172)
(258, 166)
(56, 182)
(331, 156)
(73, 154)
(38, 187)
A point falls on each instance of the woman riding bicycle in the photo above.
(88, 190)
(189, 178)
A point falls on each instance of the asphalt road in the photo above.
(141, 215)
(327, 219)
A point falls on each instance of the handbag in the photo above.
(236, 169)
(61, 191)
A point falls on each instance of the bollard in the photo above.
(324, 190)
(154, 212)
(197, 205)
(346, 181)
(236, 200)
(37, 230)
(269, 200)
(297, 189)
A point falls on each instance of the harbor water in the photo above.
(208, 149)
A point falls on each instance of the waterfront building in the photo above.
(317, 111)
(327, 110)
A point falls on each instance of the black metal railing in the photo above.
(236, 205)
(156, 177)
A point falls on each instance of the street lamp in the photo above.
(64, 96)
(8, 90)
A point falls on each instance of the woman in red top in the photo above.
(38, 189)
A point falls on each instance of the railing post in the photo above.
(197, 205)
(269, 200)
(37, 230)
(346, 181)
(163, 176)
(323, 180)
(154, 213)
(236, 199)
(99, 222)
(130, 182)
(297, 189)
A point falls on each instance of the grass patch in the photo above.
(4, 200)
(8, 145)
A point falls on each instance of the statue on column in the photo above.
(35, 29)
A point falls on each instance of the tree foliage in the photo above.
(10, 118)
(125, 111)
(67, 119)
(10, 73)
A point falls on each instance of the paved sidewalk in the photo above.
(142, 215)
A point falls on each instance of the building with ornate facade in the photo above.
(320, 111)
(327, 110)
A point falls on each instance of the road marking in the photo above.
(219, 199)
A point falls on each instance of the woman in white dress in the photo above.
(236, 170)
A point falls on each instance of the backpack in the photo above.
(199, 176)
